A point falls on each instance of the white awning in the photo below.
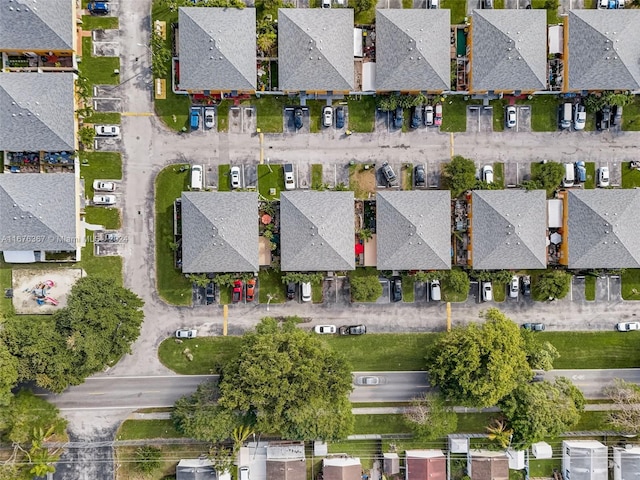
(556, 42)
(554, 213)
(357, 43)
(19, 257)
(542, 450)
(369, 77)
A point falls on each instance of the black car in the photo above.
(525, 285)
(416, 117)
(398, 118)
(419, 176)
(339, 117)
(210, 293)
(291, 290)
(352, 330)
(604, 118)
(617, 116)
(396, 290)
(534, 327)
(297, 118)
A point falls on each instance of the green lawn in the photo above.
(109, 218)
(544, 112)
(499, 291)
(139, 429)
(454, 113)
(224, 179)
(394, 423)
(269, 112)
(591, 175)
(223, 115)
(406, 174)
(209, 353)
(458, 10)
(552, 13)
(498, 173)
(172, 285)
(408, 291)
(316, 293)
(367, 17)
(270, 283)
(92, 22)
(407, 3)
(98, 70)
(99, 165)
(316, 176)
(315, 114)
(499, 114)
(631, 115)
(631, 284)
(104, 117)
(630, 177)
(362, 113)
(590, 287)
(270, 176)
(594, 349)
(6, 304)
(106, 267)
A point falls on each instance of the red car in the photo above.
(251, 289)
(237, 291)
(438, 120)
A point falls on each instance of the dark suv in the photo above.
(604, 118)
(398, 118)
(291, 290)
(389, 174)
(396, 290)
(419, 176)
(352, 330)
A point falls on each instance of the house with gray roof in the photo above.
(413, 230)
(217, 49)
(509, 50)
(317, 231)
(38, 27)
(508, 229)
(37, 112)
(604, 50)
(39, 214)
(219, 232)
(603, 229)
(413, 50)
(315, 50)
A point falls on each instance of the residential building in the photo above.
(413, 230)
(37, 35)
(315, 50)
(602, 229)
(37, 112)
(626, 462)
(286, 461)
(341, 468)
(508, 229)
(488, 465)
(603, 50)
(219, 232)
(413, 50)
(509, 51)
(425, 465)
(198, 469)
(40, 217)
(217, 50)
(317, 231)
(584, 460)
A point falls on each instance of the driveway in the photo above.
(288, 125)
(615, 171)
(479, 119)
(105, 43)
(383, 121)
(577, 293)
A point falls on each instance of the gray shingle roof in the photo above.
(41, 206)
(315, 49)
(219, 232)
(27, 25)
(509, 229)
(317, 231)
(413, 230)
(413, 50)
(509, 50)
(604, 49)
(217, 48)
(603, 228)
(37, 112)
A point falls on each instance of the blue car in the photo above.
(195, 118)
(98, 8)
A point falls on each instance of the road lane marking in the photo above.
(137, 114)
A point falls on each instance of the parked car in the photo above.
(291, 290)
(488, 4)
(305, 291)
(209, 117)
(289, 180)
(428, 115)
(297, 118)
(579, 117)
(389, 174)
(236, 296)
(487, 291)
(534, 326)
(396, 290)
(98, 8)
(433, 3)
(435, 290)
(369, 380)
(326, 3)
(603, 177)
(102, 186)
(487, 174)
(325, 329)
(416, 117)
(107, 130)
(627, 326)
(603, 118)
(617, 115)
(419, 176)
(195, 118)
(538, 376)
(398, 118)
(581, 171)
(210, 293)
(352, 330)
(339, 117)
(104, 199)
(186, 333)
(514, 287)
(525, 282)
(235, 177)
(327, 116)
(251, 289)
(511, 116)
(438, 119)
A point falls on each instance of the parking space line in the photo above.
(451, 144)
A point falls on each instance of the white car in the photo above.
(327, 116)
(305, 291)
(511, 116)
(107, 130)
(104, 199)
(102, 186)
(235, 177)
(487, 173)
(325, 329)
(579, 117)
(369, 380)
(514, 287)
(627, 326)
(435, 290)
(487, 291)
(603, 177)
(289, 181)
(186, 333)
(209, 117)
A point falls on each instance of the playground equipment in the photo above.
(41, 293)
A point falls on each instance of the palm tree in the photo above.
(499, 432)
(239, 435)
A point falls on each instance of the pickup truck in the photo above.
(236, 296)
(195, 118)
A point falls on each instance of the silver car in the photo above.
(235, 177)
(104, 199)
(369, 381)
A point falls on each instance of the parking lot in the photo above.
(608, 289)
(106, 43)
(242, 119)
(515, 173)
(288, 121)
(523, 119)
(433, 169)
(107, 144)
(479, 119)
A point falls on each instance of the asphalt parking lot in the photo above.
(523, 119)
(242, 119)
(615, 171)
(106, 43)
(288, 124)
(107, 104)
(479, 119)
(433, 169)
(383, 121)
(107, 144)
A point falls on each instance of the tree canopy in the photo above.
(95, 329)
(459, 175)
(365, 288)
(551, 284)
(479, 364)
(625, 416)
(8, 374)
(429, 417)
(546, 176)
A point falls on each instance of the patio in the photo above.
(22, 162)
(39, 61)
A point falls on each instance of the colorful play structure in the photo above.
(41, 293)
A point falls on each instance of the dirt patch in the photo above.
(362, 180)
(42, 292)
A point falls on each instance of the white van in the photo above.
(196, 177)
(244, 473)
(565, 115)
(569, 175)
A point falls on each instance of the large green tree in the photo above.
(543, 409)
(8, 374)
(479, 364)
(95, 329)
(459, 175)
(365, 288)
(551, 284)
(540, 355)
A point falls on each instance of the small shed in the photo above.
(391, 463)
(516, 459)
(542, 450)
(369, 77)
(458, 445)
